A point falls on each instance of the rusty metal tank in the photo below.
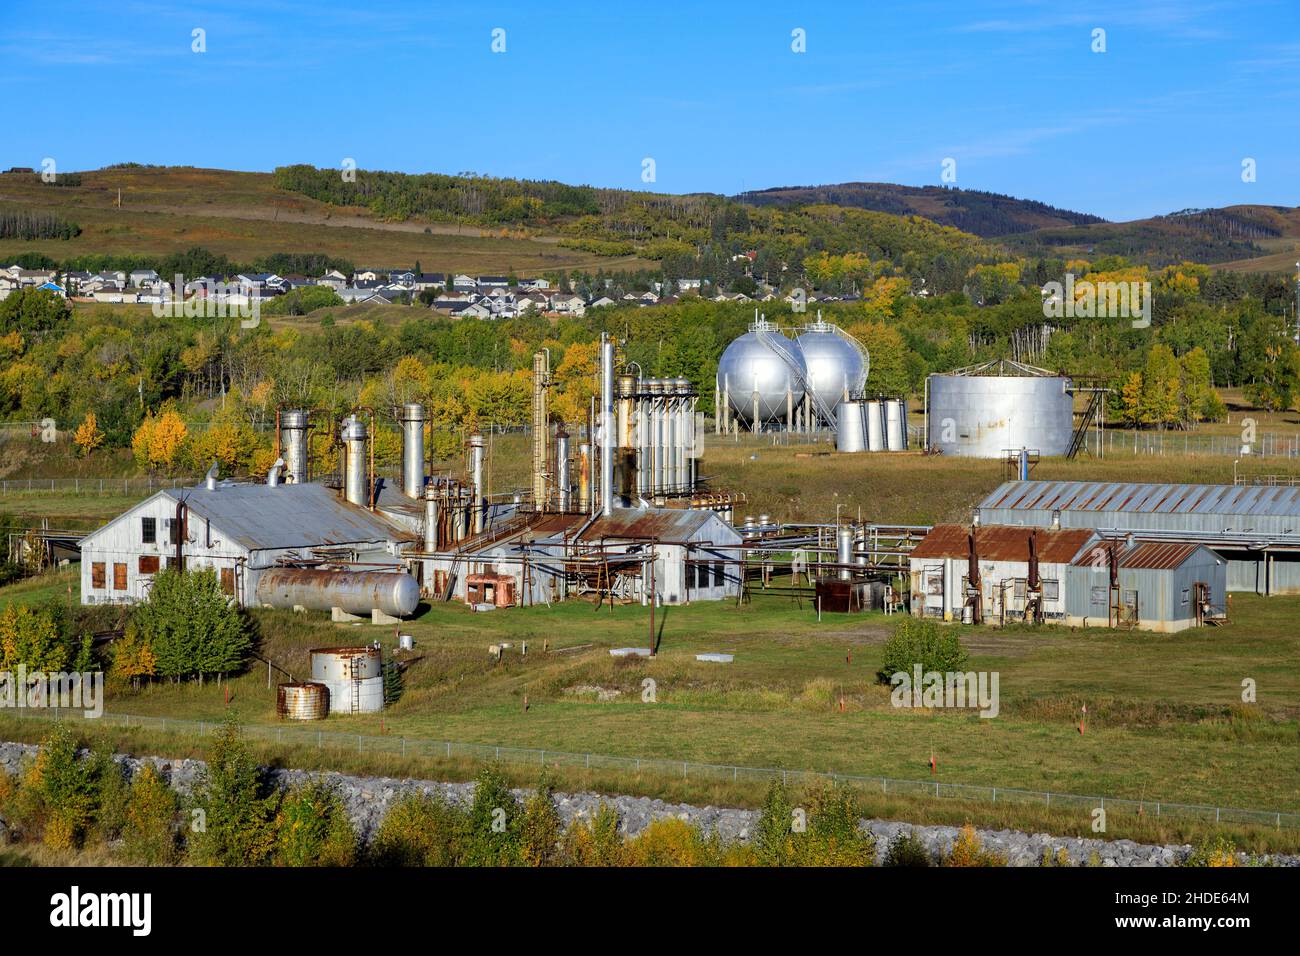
(354, 676)
(304, 701)
(356, 592)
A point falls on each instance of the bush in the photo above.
(191, 626)
(149, 832)
(833, 837)
(540, 829)
(113, 798)
(916, 641)
(1214, 853)
(420, 830)
(906, 849)
(236, 815)
(66, 787)
(673, 842)
(494, 822)
(967, 850)
(594, 844)
(312, 828)
(774, 833)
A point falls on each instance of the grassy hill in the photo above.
(981, 213)
(1244, 238)
(245, 216)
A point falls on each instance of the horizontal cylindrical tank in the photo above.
(356, 592)
(982, 416)
(850, 427)
(302, 701)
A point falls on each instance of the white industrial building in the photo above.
(238, 530)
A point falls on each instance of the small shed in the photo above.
(1161, 585)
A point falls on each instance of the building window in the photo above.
(148, 564)
(148, 530)
(119, 576)
(1100, 597)
(719, 574)
(1051, 589)
(1019, 588)
(1187, 597)
(228, 580)
(173, 531)
(97, 575)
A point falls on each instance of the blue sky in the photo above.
(712, 91)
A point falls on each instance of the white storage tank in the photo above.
(895, 424)
(762, 371)
(984, 411)
(837, 365)
(850, 427)
(875, 425)
(353, 676)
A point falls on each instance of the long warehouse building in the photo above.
(1256, 528)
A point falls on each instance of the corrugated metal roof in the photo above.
(263, 517)
(1002, 543)
(1146, 555)
(664, 524)
(1146, 498)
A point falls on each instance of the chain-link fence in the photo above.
(659, 767)
(93, 486)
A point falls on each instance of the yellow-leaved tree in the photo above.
(158, 441)
(88, 437)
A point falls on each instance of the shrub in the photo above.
(967, 850)
(833, 837)
(906, 849)
(1060, 858)
(66, 787)
(236, 816)
(540, 829)
(916, 641)
(149, 832)
(597, 843)
(1217, 852)
(673, 842)
(312, 828)
(494, 821)
(113, 797)
(774, 833)
(420, 830)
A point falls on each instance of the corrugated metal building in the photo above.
(238, 530)
(1162, 586)
(1255, 528)
(939, 567)
(694, 554)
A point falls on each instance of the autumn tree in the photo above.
(88, 437)
(158, 441)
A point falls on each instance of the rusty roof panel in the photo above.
(1002, 543)
(1146, 554)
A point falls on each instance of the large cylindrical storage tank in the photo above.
(413, 450)
(836, 370)
(356, 471)
(302, 701)
(354, 676)
(895, 424)
(356, 592)
(850, 427)
(762, 370)
(875, 425)
(981, 416)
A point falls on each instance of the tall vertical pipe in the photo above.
(584, 477)
(606, 424)
(541, 412)
(355, 477)
(844, 551)
(476, 478)
(562, 469)
(413, 449)
(431, 516)
(293, 444)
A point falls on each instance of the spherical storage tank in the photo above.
(836, 369)
(762, 364)
(982, 416)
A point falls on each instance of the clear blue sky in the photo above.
(712, 91)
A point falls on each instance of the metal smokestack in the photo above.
(293, 442)
(476, 477)
(273, 476)
(431, 518)
(355, 484)
(844, 551)
(413, 449)
(606, 424)
(562, 469)
(541, 413)
(584, 477)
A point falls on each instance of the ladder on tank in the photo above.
(1092, 414)
(354, 671)
(780, 345)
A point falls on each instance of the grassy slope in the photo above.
(243, 216)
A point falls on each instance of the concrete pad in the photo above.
(715, 658)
